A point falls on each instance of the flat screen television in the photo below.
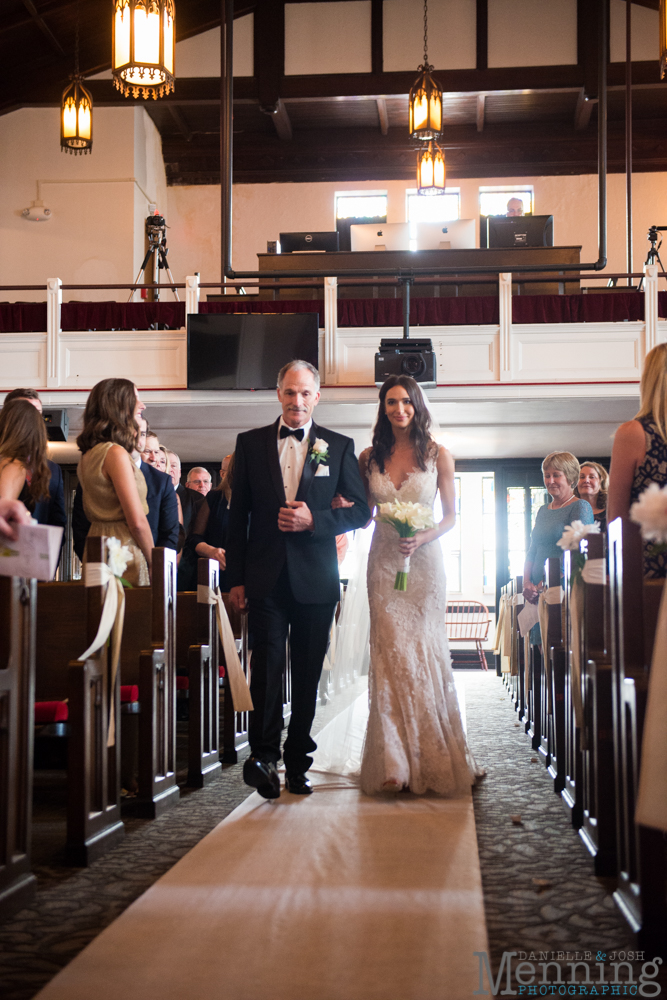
(518, 231)
(246, 351)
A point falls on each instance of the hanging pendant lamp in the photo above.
(143, 47)
(76, 111)
(431, 170)
(425, 102)
(663, 38)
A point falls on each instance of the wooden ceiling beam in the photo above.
(383, 117)
(39, 21)
(481, 103)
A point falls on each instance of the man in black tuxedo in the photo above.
(282, 566)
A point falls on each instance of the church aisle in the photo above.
(333, 897)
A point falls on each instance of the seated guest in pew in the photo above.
(12, 513)
(593, 486)
(51, 511)
(24, 472)
(639, 454)
(160, 497)
(561, 475)
(114, 489)
(208, 539)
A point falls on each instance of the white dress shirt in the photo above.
(292, 456)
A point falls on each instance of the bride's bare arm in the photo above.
(445, 473)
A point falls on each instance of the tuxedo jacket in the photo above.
(257, 550)
(162, 514)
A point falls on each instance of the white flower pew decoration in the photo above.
(650, 513)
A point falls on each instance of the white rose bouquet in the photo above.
(407, 518)
(650, 513)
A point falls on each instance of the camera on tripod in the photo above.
(156, 230)
(653, 256)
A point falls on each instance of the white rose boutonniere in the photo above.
(319, 451)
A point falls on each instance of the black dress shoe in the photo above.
(298, 784)
(263, 776)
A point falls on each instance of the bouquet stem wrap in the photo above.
(407, 518)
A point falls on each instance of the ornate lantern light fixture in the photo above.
(76, 111)
(431, 170)
(663, 38)
(425, 97)
(143, 47)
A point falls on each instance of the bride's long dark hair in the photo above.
(383, 435)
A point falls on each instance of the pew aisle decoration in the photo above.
(238, 684)
(650, 513)
(110, 576)
(572, 535)
(407, 518)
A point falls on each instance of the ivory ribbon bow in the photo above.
(238, 684)
(111, 623)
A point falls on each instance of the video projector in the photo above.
(406, 357)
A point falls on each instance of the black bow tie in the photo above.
(288, 432)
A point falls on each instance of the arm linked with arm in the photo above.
(349, 485)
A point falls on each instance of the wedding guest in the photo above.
(209, 536)
(152, 449)
(163, 463)
(51, 511)
(24, 472)
(160, 496)
(175, 468)
(12, 514)
(593, 486)
(199, 479)
(639, 453)
(114, 489)
(189, 500)
(561, 475)
(514, 207)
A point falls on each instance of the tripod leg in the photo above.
(141, 271)
(171, 279)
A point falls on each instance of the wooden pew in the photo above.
(552, 708)
(236, 724)
(18, 601)
(197, 652)
(572, 791)
(517, 663)
(148, 660)
(642, 859)
(598, 829)
(68, 616)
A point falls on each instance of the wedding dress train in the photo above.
(415, 736)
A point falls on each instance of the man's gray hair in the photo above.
(296, 366)
(198, 468)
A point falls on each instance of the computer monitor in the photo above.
(371, 236)
(456, 235)
(309, 242)
(518, 231)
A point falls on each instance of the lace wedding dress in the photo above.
(415, 734)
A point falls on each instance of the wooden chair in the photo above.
(642, 854)
(68, 616)
(468, 621)
(148, 661)
(18, 604)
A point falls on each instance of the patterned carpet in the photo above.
(539, 890)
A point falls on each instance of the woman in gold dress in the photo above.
(114, 489)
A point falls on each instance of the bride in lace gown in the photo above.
(415, 738)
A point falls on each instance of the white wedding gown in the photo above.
(415, 735)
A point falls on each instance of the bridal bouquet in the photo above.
(408, 518)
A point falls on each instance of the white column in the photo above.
(330, 331)
(505, 319)
(651, 306)
(54, 300)
(191, 294)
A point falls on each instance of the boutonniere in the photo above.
(319, 451)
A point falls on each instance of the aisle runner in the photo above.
(335, 896)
